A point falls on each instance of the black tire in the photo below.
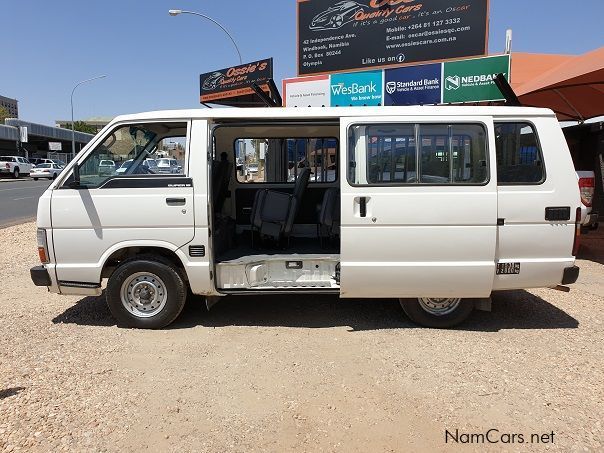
(413, 309)
(175, 287)
(54, 176)
(35, 179)
(16, 173)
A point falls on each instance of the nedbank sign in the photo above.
(474, 80)
(441, 83)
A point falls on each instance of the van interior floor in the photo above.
(303, 264)
(300, 246)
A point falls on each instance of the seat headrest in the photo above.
(301, 182)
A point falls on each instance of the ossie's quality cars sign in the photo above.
(339, 35)
(235, 81)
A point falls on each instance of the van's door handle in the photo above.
(176, 201)
(363, 206)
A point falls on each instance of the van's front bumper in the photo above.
(40, 276)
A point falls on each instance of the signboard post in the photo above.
(231, 86)
(340, 35)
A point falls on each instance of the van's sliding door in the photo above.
(419, 207)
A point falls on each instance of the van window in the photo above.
(519, 158)
(280, 160)
(448, 154)
(132, 150)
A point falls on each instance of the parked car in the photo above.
(15, 166)
(106, 167)
(41, 160)
(50, 171)
(167, 165)
(147, 166)
(440, 229)
(587, 186)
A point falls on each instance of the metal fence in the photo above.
(65, 157)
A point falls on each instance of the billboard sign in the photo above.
(307, 92)
(474, 80)
(340, 35)
(235, 81)
(55, 146)
(438, 83)
(417, 85)
(357, 89)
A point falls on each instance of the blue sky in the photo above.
(153, 61)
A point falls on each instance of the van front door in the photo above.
(419, 207)
(125, 199)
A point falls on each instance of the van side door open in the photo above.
(418, 207)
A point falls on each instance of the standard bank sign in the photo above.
(419, 85)
(357, 89)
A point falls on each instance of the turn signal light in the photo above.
(42, 246)
(42, 254)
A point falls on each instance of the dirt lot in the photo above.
(284, 374)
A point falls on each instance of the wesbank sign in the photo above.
(441, 83)
(357, 88)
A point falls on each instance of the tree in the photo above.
(81, 126)
(3, 114)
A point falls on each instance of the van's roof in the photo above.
(309, 113)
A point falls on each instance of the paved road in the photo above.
(19, 200)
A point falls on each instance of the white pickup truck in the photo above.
(587, 185)
(15, 166)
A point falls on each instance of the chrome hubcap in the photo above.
(144, 294)
(439, 306)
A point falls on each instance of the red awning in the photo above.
(573, 89)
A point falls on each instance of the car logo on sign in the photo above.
(452, 83)
(390, 87)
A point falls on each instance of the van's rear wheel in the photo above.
(146, 294)
(439, 313)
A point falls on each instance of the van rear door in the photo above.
(537, 201)
(419, 207)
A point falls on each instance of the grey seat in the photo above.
(329, 215)
(273, 213)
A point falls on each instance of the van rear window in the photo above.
(519, 158)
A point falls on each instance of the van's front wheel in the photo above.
(438, 313)
(146, 294)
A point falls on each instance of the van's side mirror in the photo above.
(75, 184)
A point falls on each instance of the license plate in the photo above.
(508, 268)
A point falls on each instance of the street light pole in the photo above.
(176, 12)
(73, 153)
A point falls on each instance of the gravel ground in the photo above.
(276, 374)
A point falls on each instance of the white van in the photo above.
(435, 206)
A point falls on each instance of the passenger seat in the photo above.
(273, 213)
